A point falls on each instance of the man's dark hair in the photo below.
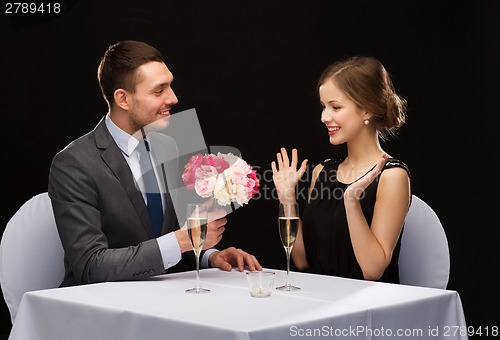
(118, 67)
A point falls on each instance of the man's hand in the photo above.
(232, 257)
(215, 228)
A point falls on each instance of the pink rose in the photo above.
(226, 177)
(205, 187)
(188, 175)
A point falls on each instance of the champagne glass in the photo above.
(288, 223)
(197, 220)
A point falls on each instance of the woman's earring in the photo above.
(366, 122)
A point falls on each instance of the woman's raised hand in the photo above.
(286, 175)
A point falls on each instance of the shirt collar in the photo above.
(125, 142)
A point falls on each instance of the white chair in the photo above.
(424, 259)
(31, 253)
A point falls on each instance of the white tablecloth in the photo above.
(325, 307)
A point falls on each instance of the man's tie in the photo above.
(153, 195)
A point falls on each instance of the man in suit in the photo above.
(97, 190)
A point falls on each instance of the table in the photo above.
(158, 308)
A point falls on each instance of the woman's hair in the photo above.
(117, 68)
(366, 82)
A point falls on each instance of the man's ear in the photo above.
(121, 99)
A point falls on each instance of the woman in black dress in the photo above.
(353, 222)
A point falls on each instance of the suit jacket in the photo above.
(101, 215)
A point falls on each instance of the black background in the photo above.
(250, 70)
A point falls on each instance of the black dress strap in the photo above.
(330, 161)
(396, 163)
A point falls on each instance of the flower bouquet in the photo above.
(224, 177)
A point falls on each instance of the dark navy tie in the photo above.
(153, 195)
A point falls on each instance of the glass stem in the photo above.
(197, 253)
(288, 251)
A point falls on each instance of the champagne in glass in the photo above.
(197, 220)
(197, 231)
(288, 224)
(288, 231)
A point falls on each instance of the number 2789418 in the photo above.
(32, 8)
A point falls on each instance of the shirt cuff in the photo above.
(169, 249)
(206, 256)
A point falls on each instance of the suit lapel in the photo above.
(113, 157)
